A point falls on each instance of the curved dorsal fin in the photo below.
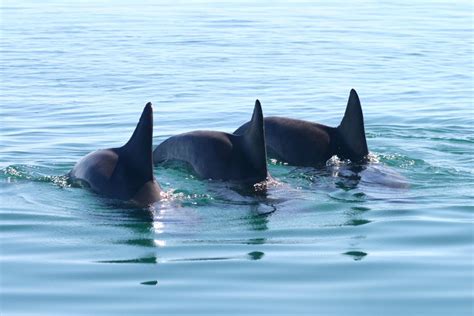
(254, 140)
(136, 156)
(351, 130)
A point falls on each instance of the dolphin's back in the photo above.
(208, 152)
(298, 142)
(305, 143)
(124, 173)
(221, 156)
(95, 169)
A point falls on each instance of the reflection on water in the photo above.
(255, 241)
(146, 260)
(254, 255)
(150, 228)
(139, 242)
(356, 255)
(357, 222)
(257, 221)
(173, 216)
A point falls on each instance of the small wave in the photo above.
(185, 197)
(33, 173)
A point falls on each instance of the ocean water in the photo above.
(394, 238)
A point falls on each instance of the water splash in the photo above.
(14, 173)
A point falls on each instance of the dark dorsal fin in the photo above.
(136, 156)
(353, 144)
(254, 140)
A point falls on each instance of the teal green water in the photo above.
(393, 239)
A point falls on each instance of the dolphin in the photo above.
(308, 144)
(124, 173)
(221, 156)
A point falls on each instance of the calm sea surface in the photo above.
(393, 239)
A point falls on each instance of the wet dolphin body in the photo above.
(124, 173)
(304, 143)
(221, 156)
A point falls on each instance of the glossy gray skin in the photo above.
(303, 143)
(221, 156)
(124, 173)
(299, 142)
